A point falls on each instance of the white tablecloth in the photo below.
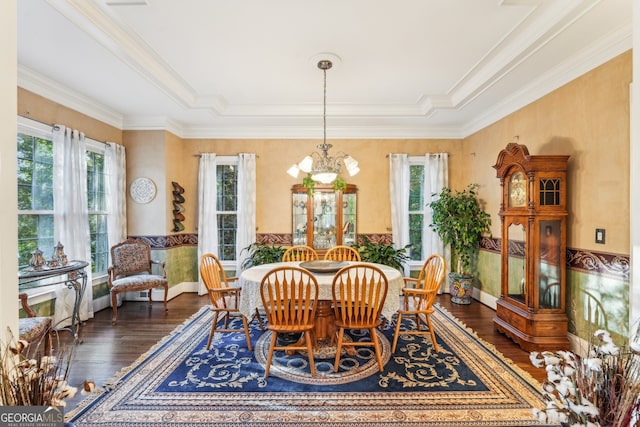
(251, 278)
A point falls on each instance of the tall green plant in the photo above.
(381, 253)
(460, 222)
(262, 253)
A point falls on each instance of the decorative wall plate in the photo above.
(142, 190)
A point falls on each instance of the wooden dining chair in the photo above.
(418, 297)
(300, 253)
(290, 299)
(359, 292)
(224, 298)
(342, 253)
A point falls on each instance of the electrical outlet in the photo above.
(600, 235)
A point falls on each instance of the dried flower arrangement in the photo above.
(599, 389)
(41, 381)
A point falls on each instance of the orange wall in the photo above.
(587, 119)
(274, 185)
(35, 107)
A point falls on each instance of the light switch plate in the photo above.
(600, 235)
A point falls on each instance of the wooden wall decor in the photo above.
(178, 209)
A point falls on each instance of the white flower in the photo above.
(587, 409)
(536, 359)
(593, 364)
(608, 346)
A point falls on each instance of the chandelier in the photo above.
(321, 166)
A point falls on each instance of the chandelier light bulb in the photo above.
(294, 170)
(306, 165)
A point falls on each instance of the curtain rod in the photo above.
(200, 155)
(430, 154)
(56, 127)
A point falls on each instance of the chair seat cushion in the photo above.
(33, 328)
(138, 282)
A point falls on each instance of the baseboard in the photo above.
(157, 294)
(485, 298)
(576, 344)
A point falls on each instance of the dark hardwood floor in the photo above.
(106, 349)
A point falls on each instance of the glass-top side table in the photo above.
(72, 275)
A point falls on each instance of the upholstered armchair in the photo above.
(34, 329)
(131, 271)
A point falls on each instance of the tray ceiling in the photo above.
(247, 68)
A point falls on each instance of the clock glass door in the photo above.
(549, 264)
(516, 266)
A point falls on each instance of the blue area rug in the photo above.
(179, 382)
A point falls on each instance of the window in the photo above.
(35, 197)
(227, 205)
(416, 206)
(97, 206)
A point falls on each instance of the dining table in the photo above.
(250, 299)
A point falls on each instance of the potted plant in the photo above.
(460, 222)
(382, 253)
(262, 253)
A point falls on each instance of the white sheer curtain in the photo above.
(399, 192)
(116, 189)
(70, 215)
(207, 208)
(246, 209)
(436, 177)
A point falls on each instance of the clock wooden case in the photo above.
(533, 212)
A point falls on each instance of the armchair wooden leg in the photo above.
(166, 294)
(114, 305)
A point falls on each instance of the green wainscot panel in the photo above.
(597, 302)
(489, 267)
(182, 264)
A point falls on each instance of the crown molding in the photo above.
(312, 132)
(56, 92)
(608, 48)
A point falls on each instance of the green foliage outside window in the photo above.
(35, 195)
(35, 201)
(416, 211)
(227, 206)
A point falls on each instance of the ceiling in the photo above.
(248, 68)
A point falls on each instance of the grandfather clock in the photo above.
(533, 211)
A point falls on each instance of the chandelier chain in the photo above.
(324, 109)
